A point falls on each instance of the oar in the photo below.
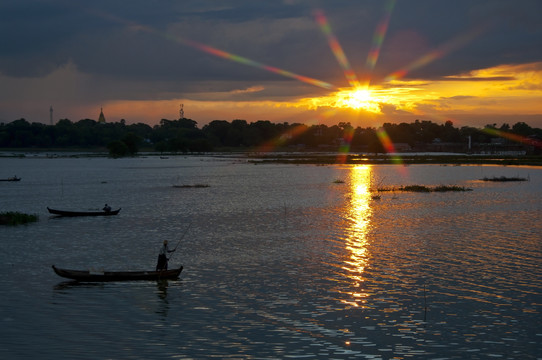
(175, 248)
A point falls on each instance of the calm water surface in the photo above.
(280, 261)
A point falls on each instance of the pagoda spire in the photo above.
(101, 119)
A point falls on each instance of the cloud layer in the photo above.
(80, 55)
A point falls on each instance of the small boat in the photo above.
(14, 178)
(82, 213)
(99, 276)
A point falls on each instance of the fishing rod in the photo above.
(175, 248)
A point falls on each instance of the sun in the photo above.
(361, 94)
(354, 98)
(357, 99)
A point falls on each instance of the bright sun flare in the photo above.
(358, 99)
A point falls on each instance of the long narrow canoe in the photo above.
(15, 178)
(97, 276)
(82, 213)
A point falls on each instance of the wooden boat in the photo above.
(15, 178)
(99, 276)
(82, 213)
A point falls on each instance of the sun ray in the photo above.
(282, 139)
(344, 149)
(388, 145)
(213, 51)
(379, 36)
(336, 49)
(360, 96)
(246, 61)
(293, 132)
(513, 137)
(439, 52)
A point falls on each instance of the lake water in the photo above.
(280, 261)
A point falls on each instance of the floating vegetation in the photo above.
(376, 197)
(415, 188)
(445, 188)
(423, 188)
(504, 179)
(192, 186)
(338, 181)
(16, 218)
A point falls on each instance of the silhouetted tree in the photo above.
(522, 128)
(132, 142)
(216, 132)
(117, 148)
(183, 135)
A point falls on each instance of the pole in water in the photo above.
(425, 305)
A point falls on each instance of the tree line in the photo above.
(183, 135)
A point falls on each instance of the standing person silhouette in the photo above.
(162, 257)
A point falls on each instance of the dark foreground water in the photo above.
(280, 262)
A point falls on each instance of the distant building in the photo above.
(101, 119)
(402, 147)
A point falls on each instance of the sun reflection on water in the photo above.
(359, 218)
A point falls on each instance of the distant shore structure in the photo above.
(181, 112)
(101, 119)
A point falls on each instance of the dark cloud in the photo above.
(493, 33)
(459, 97)
(100, 37)
(139, 48)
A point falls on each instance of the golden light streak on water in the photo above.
(359, 217)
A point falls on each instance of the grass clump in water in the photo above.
(415, 188)
(504, 179)
(426, 189)
(444, 188)
(192, 186)
(16, 218)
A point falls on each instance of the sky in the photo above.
(366, 62)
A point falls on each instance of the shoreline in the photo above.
(404, 159)
(315, 158)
